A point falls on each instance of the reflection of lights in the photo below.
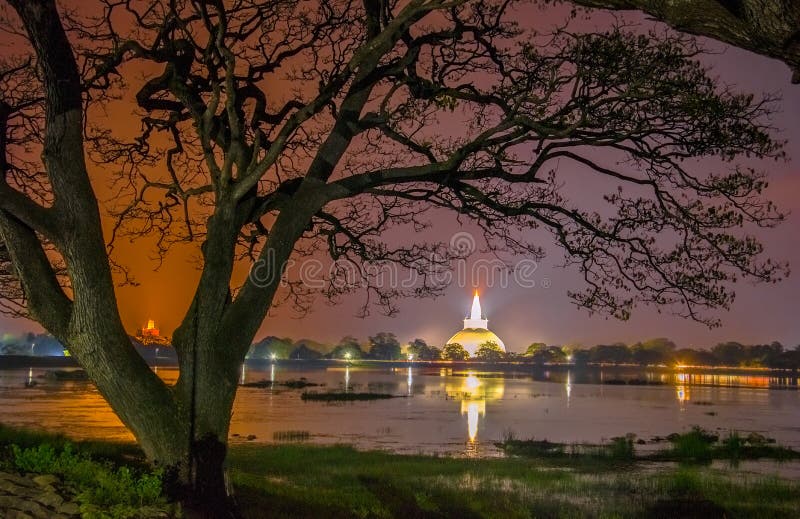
(410, 380)
(241, 379)
(682, 394)
(473, 409)
(569, 387)
(272, 375)
(30, 376)
(346, 378)
(471, 382)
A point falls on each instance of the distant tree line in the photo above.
(660, 351)
(32, 344)
(386, 346)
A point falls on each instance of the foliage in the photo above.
(271, 347)
(303, 352)
(348, 348)
(422, 351)
(489, 351)
(454, 351)
(99, 486)
(534, 348)
(384, 346)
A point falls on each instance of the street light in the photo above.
(410, 357)
(348, 355)
(273, 356)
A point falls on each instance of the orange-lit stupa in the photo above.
(150, 330)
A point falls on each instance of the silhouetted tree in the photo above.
(303, 352)
(269, 346)
(489, 351)
(384, 346)
(613, 354)
(533, 348)
(729, 353)
(348, 348)
(653, 351)
(454, 351)
(548, 355)
(768, 27)
(271, 129)
(422, 351)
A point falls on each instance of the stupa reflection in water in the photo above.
(474, 392)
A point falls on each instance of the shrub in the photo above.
(102, 489)
(695, 446)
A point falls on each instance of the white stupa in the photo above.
(476, 330)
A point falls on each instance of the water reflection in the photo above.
(682, 392)
(474, 392)
(454, 411)
(568, 386)
(755, 381)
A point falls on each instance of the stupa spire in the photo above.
(476, 307)
(475, 319)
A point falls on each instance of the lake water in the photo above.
(453, 411)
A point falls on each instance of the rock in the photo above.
(45, 480)
(12, 488)
(69, 508)
(17, 480)
(50, 499)
(22, 504)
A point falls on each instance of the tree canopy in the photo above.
(274, 130)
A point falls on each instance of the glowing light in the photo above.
(348, 355)
(568, 387)
(472, 382)
(473, 411)
(410, 357)
(273, 356)
(683, 394)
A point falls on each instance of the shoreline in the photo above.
(25, 362)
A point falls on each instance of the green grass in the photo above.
(303, 481)
(696, 446)
(307, 481)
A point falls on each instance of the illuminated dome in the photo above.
(475, 331)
